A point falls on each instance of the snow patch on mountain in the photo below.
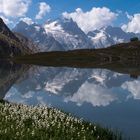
(38, 35)
(108, 36)
(53, 27)
(67, 32)
(37, 28)
(101, 40)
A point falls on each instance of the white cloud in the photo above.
(129, 16)
(43, 9)
(14, 8)
(133, 87)
(28, 95)
(133, 25)
(38, 29)
(93, 19)
(92, 93)
(6, 20)
(27, 20)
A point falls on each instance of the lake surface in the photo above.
(102, 96)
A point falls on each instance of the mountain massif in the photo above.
(56, 35)
(64, 34)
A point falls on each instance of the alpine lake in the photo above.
(106, 96)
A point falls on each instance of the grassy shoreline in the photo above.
(21, 122)
(122, 51)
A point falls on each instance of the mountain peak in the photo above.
(111, 29)
(22, 24)
(3, 27)
(1, 20)
(64, 19)
(6, 31)
(67, 33)
(70, 26)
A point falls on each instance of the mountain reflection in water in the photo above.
(9, 74)
(98, 95)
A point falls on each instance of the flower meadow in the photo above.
(22, 122)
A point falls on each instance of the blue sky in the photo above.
(14, 10)
(60, 6)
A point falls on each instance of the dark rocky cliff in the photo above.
(12, 44)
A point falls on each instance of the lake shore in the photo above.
(38, 122)
(122, 58)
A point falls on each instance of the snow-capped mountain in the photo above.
(67, 32)
(108, 36)
(61, 34)
(38, 35)
(64, 34)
